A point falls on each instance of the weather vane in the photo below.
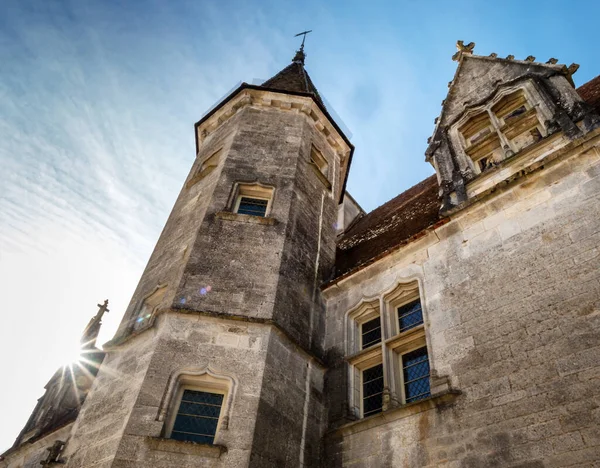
(303, 34)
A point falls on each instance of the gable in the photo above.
(477, 78)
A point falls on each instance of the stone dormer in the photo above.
(500, 116)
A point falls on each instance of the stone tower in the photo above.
(229, 303)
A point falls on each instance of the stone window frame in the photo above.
(204, 380)
(141, 312)
(254, 190)
(320, 163)
(393, 345)
(534, 100)
(207, 165)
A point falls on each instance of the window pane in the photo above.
(372, 390)
(415, 366)
(253, 206)
(197, 417)
(371, 332)
(202, 397)
(410, 315)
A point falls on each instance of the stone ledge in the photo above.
(435, 401)
(190, 448)
(243, 218)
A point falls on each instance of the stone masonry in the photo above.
(501, 247)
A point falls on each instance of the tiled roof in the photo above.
(405, 216)
(590, 93)
(293, 78)
(388, 226)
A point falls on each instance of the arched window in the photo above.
(199, 404)
(387, 351)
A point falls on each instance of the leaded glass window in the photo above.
(370, 332)
(253, 206)
(415, 367)
(197, 417)
(410, 315)
(372, 394)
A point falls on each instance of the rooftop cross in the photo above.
(103, 308)
(300, 55)
(303, 34)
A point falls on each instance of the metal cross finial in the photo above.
(303, 34)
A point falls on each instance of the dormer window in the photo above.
(502, 128)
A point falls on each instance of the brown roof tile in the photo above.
(293, 78)
(590, 93)
(388, 226)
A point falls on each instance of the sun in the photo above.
(71, 353)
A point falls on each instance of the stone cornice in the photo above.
(261, 98)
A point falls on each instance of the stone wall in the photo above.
(190, 343)
(171, 253)
(511, 289)
(30, 454)
(291, 413)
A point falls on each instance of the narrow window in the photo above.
(197, 417)
(410, 315)
(253, 200)
(253, 206)
(208, 165)
(370, 333)
(372, 390)
(321, 166)
(317, 158)
(415, 367)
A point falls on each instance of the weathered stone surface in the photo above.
(511, 304)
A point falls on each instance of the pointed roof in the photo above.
(293, 78)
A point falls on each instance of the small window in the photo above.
(410, 315)
(149, 306)
(317, 158)
(208, 165)
(517, 112)
(476, 129)
(197, 417)
(370, 333)
(321, 166)
(253, 200)
(415, 369)
(253, 206)
(372, 390)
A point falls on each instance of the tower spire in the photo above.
(90, 334)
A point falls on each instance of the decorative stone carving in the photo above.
(463, 49)
(54, 452)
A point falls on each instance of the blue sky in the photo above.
(97, 105)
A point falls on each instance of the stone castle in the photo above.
(279, 325)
